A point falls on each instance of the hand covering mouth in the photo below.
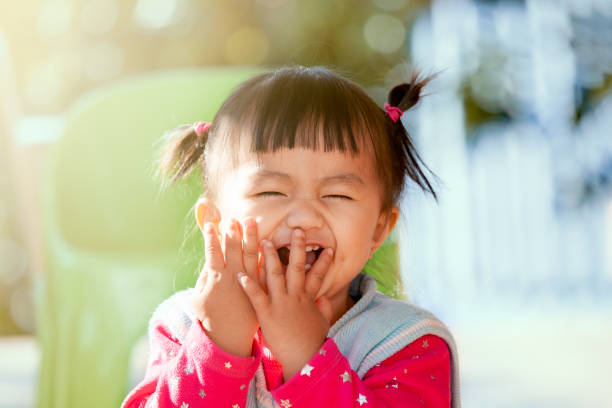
(312, 254)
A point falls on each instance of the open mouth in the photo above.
(312, 254)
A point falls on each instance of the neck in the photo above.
(341, 306)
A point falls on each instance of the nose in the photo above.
(303, 214)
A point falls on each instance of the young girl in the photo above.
(303, 174)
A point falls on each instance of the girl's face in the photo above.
(333, 197)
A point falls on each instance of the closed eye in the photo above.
(269, 194)
(338, 196)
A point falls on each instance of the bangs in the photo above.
(309, 111)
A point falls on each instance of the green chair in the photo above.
(111, 234)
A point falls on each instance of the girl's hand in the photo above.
(293, 325)
(220, 303)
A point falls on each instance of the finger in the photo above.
(233, 246)
(255, 293)
(297, 260)
(250, 246)
(201, 281)
(262, 271)
(212, 247)
(317, 273)
(275, 278)
(325, 308)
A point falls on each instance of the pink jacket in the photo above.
(198, 373)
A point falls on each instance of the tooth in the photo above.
(316, 247)
(307, 266)
(308, 248)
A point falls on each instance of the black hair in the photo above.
(304, 107)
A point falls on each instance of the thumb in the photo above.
(325, 308)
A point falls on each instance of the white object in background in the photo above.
(38, 130)
(20, 358)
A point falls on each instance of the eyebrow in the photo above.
(267, 174)
(346, 178)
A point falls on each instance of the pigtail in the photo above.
(183, 151)
(403, 97)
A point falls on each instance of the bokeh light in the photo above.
(384, 33)
(103, 61)
(13, 262)
(44, 84)
(154, 14)
(22, 308)
(98, 16)
(54, 18)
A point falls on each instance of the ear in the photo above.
(385, 224)
(206, 211)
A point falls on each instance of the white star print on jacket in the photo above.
(203, 375)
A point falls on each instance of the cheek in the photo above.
(266, 219)
(240, 208)
(355, 244)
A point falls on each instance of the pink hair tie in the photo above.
(201, 127)
(393, 112)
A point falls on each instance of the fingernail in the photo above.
(330, 251)
(237, 227)
(249, 223)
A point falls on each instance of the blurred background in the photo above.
(516, 258)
